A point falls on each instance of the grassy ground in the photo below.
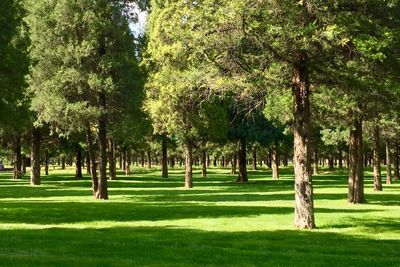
(153, 222)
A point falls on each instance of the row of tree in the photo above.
(208, 79)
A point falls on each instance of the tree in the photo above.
(84, 62)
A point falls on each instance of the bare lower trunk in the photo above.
(242, 161)
(340, 159)
(88, 165)
(23, 163)
(274, 162)
(17, 158)
(46, 162)
(330, 162)
(78, 163)
(396, 161)
(388, 163)
(92, 156)
(35, 157)
(254, 158)
(356, 168)
(102, 192)
(111, 159)
(128, 162)
(148, 158)
(304, 210)
(204, 163)
(164, 160)
(285, 158)
(377, 160)
(188, 164)
(63, 162)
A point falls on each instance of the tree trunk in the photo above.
(242, 161)
(120, 158)
(35, 157)
(340, 158)
(396, 161)
(274, 162)
(102, 192)
(164, 159)
(17, 158)
(204, 163)
(356, 168)
(304, 203)
(78, 163)
(388, 163)
(23, 163)
(269, 159)
(330, 162)
(148, 158)
(377, 160)
(254, 158)
(128, 162)
(88, 166)
(46, 162)
(285, 158)
(315, 168)
(188, 164)
(63, 162)
(92, 156)
(111, 159)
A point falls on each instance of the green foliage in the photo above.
(80, 50)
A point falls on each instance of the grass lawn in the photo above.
(149, 221)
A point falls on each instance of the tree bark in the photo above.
(102, 192)
(128, 162)
(164, 159)
(340, 159)
(92, 156)
(23, 163)
(63, 162)
(254, 158)
(17, 158)
(356, 168)
(46, 162)
(111, 159)
(188, 164)
(88, 166)
(304, 203)
(120, 158)
(204, 163)
(148, 158)
(377, 160)
(78, 163)
(274, 162)
(242, 161)
(330, 163)
(388, 163)
(35, 157)
(396, 161)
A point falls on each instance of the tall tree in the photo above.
(84, 55)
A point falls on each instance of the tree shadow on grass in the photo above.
(166, 246)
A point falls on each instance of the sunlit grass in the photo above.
(154, 221)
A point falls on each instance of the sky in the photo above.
(139, 27)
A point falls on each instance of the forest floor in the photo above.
(150, 221)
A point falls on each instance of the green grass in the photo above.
(149, 221)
